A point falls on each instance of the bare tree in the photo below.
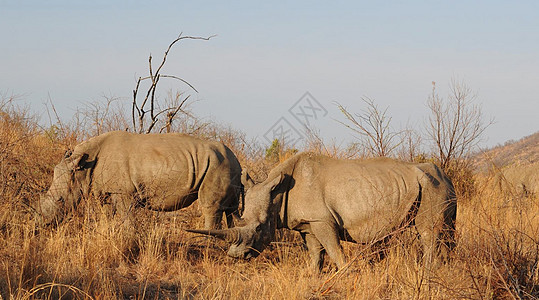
(456, 125)
(410, 149)
(315, 143)
(373, 126)
(149, 102)
(102, 116)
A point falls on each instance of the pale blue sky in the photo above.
(266, 56)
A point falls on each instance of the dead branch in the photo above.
(172, 114)
(139, 112)
(373, 126)
(456, 125)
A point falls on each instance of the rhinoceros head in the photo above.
(250, 239)
(65, 190)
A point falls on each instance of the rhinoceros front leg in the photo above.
(316, 251)
(212, 217)
(328, 235)
(213, 210)
(229, 214)
(213, 199)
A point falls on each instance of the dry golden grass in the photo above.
(521, 152)
(149, 256)
(152, 257)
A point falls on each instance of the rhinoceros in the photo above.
(328, 200)
(159, 171)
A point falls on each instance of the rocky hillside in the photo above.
(522, 152)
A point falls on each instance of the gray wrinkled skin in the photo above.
(364, 201)
(158, 171)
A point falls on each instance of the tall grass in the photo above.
(149, 256)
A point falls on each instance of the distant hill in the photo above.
(522, 152)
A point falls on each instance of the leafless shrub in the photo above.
(373, 127)
(316, 144)
(102, 116)
(141, 121)
(69, 133)
(410, 146)
(455, 126)
(181, 119)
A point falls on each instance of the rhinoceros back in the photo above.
(164, 169)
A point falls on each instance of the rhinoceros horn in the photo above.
(230, 235)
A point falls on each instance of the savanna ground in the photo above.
(90, 256)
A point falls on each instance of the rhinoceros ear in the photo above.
(246, 180)
(274, 183)
(68, 153)
(79, 162)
